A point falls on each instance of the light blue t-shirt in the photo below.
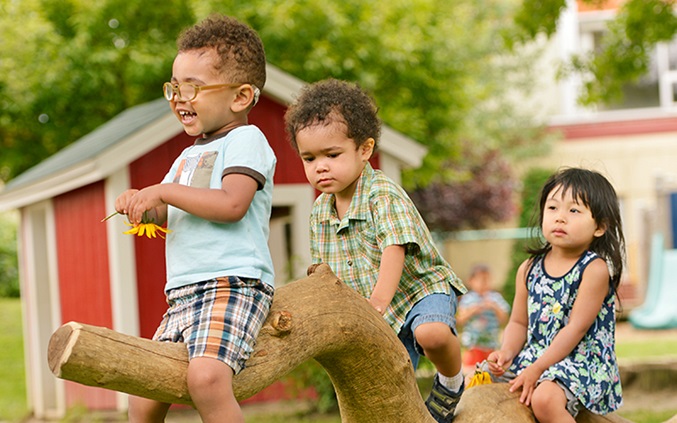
(198, 249)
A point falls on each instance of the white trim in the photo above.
(122, 270)
(300, 198)
(402, 148)
(281, 85)
(121, 262)
(39, 280)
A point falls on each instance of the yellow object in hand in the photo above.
(479, 378)
(147, 227)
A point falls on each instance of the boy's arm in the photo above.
(389, 275)
(228, 204)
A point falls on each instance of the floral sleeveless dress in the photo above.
(590, 372)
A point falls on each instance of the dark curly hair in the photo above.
(329, 101)
(243, 59)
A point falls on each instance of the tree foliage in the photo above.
(73, 65)
(438, 71)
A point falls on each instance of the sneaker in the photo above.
(442, 402)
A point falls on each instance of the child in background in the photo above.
(217, 200)
(481, 314)
(365, 227)
(559, 341)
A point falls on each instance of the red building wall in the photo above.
(84, 284)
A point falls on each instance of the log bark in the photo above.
(495, 403)
(317, 317)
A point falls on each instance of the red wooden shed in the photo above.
(73, 267)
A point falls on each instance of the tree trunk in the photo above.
(317, 317)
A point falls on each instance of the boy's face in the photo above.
(331, 160)
(211, 111)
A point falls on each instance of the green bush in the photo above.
(532, 183)
(311, 374)
(9, 274)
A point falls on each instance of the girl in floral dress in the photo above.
(558, 345)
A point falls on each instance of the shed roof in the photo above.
(138, 130)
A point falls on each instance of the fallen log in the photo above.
(317, 317)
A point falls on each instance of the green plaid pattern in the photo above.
(380, 214)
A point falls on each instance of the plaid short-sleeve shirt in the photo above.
(380, 214)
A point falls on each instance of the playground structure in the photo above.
(317, 317)
(658, 310)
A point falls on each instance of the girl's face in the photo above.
(331, 160)
(567, 223)
(211, 111)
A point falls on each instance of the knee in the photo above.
(433, 336)
(548, 402)
(206, 375)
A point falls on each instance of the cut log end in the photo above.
(60, 346)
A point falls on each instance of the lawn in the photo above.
(12, 372)
(13, 406)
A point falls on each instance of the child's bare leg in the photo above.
(143, 410)
(549, 403)
(441, 347)
(210, 383)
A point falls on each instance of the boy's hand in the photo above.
(142, 201)
(378, 305)
(122, 201)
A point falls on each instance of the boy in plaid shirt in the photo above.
(365, 227)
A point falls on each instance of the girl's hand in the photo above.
(498, 361)
(527, 380)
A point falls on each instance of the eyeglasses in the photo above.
(186, 91)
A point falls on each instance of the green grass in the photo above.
(648, 416)
(644, 349)
(12, 372)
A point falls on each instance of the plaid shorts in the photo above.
(219, 318)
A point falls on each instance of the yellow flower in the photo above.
(151, 230)
(146, 227)
(557, 308)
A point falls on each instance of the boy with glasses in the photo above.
(216, 200)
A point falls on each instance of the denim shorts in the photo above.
(432, 308)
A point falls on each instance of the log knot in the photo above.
(279, 324)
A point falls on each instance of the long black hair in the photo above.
(597, 194)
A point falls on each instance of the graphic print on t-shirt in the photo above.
(196, 170)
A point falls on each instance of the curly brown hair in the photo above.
(329, 101)
(243, 59)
